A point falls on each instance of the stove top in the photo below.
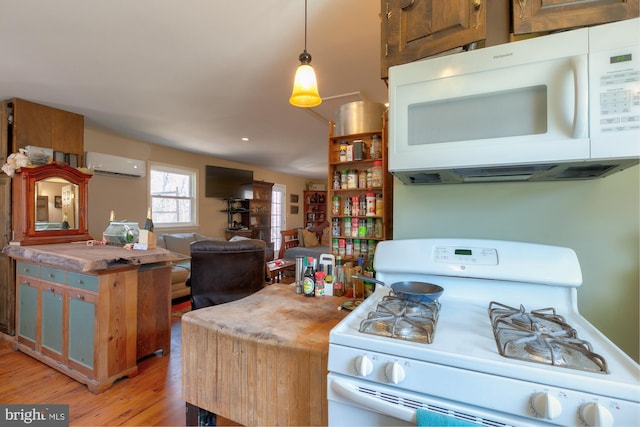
(541, 336)
(400, 318)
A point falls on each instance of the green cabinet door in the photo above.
(81, 330)
(28, 305)
(52, 319)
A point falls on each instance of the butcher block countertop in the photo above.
(80, 257)
(261, 360)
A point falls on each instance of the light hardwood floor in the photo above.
(152, 398)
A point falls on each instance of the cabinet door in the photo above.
(52, 323)
(7, 276)
(82, 314)
(415, 29)
(42, 126)
(27, 310)
(531, 16)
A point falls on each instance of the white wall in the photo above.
(599, 219)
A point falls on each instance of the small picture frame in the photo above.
(59, 157)
(71, 159)
(293, 209)
(293, 198)
(58, 202)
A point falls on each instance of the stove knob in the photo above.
(545, 405)
(394, 373)
(364, 366)
(594, 414)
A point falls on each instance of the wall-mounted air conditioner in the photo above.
(115, 165)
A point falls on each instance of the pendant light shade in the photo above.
(305, 86)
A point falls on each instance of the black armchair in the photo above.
(224, 271)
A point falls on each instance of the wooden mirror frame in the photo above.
(24, 197)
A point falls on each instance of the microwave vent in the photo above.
(586, 171)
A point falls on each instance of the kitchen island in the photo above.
(261, 360)
(92, 311)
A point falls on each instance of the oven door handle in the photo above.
(350, 393)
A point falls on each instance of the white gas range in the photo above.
(457, 375)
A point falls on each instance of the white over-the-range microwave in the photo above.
(557, 107)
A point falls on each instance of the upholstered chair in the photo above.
(225, 271)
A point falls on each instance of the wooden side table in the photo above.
(276, 267)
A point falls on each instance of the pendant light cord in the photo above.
(305, 25)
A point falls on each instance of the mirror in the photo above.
(56, 205)
(50, 205)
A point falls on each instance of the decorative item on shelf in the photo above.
(147, 238)
(305, 86)
(15, 161)
(121, 233)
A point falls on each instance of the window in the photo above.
(277, 214)
(173, 200)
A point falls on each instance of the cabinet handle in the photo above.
(53, 291)
(476, 8)
(51, 275)
(80, 297)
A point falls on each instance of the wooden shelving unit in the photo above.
(378, 225)
(315, 208)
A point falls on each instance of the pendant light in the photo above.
(305, 87)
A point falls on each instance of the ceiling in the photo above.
(197, 75)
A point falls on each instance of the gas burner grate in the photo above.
(541, 336)
(400, 318)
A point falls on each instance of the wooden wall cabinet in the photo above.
(412, 30)
(532, 16)
(82, 324)
(378, 225)
(42, 126)
(416, 29)
(315, 208)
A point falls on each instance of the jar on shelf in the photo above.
(336, 180)
(355, 206)
(379, 204)
(377, 228)
(371, 204)
(349, 248)
(335, 226)
(362, 199)
(346, 206)
(335, 246)
(347, 227)
(375, 150)
(362, 179)
(370, 228)
(343, 152)
(342, 247)
(356, 248)
(362, 228)
(358, 149)
(344, 178)
(352, 179)
(369, 178)
(376, 174)
(354, 227)
(335, 205)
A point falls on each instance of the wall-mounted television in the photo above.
(228, 183)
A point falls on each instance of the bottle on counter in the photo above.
(319, 284)
(308, 279)
(148, 223)
(112, 217)
(338, 278)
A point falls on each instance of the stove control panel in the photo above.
(513, 399)
(465, 255)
